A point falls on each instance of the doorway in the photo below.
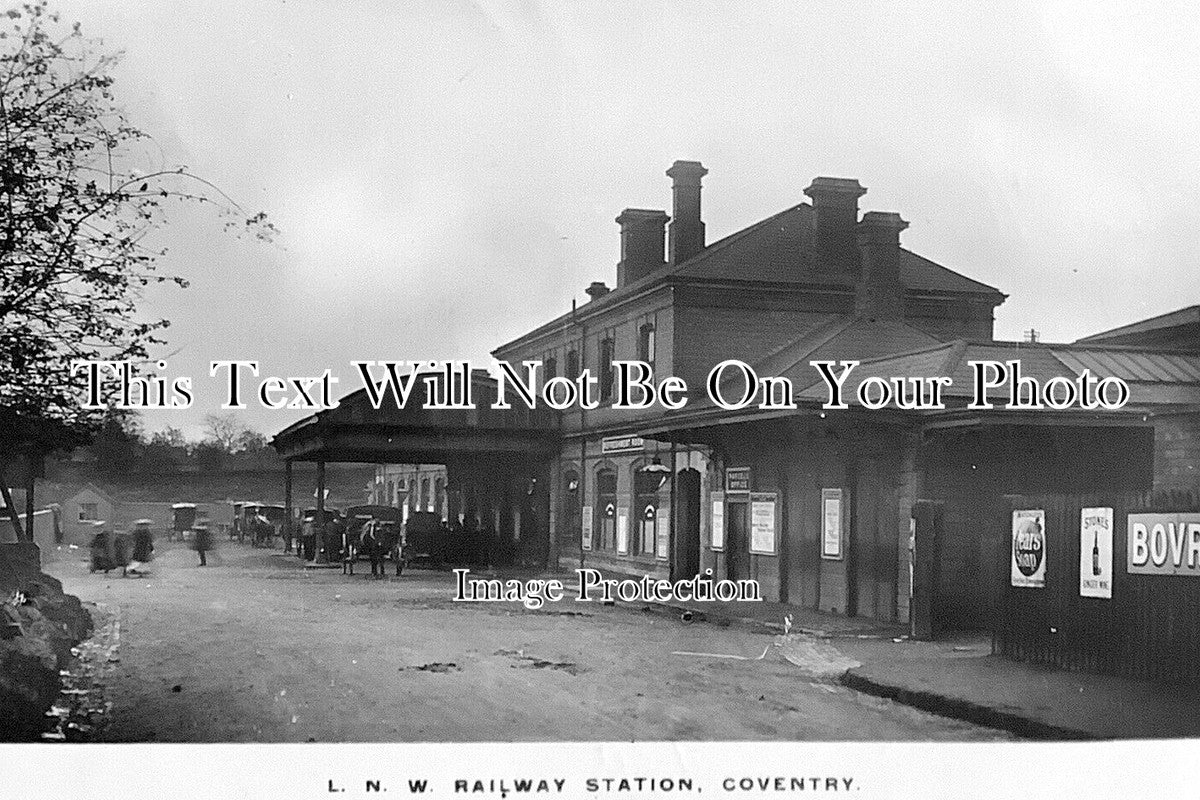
(685, 560)
(737, 552)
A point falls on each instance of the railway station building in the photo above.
(817, 505)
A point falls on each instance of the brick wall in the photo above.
(1177, 451)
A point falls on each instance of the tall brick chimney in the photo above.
(835, 207)
(880, 294)
(687, 228)
(642, 238)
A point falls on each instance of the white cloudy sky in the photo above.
(446, 172)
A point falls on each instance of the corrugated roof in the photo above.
(1133, 365)
(1154, 378)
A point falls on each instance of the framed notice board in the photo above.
(764, 523)
(718, 521)
(586, 519)
(832, 525)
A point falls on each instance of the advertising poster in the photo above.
(663, 532)
(1164, 544)
(831, 524)
(762, 523)
(718, 521)
(1095, 552)
(1029, 548)
(586, 522)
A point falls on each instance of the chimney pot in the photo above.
(597, 290)
(687, 227)
(835, 209)
(880, 293)
(643, 234)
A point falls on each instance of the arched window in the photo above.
(425, 506)
(606, 509)
(645, 505)
(570, 521)
(439, 496)
(572, 364)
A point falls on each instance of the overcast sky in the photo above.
(446, 174)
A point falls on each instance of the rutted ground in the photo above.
(254, 648)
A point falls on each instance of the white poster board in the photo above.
(1029, 548)
(1163, 544)
(718, 521)
(1095, 552)
(662, 529)
(831, 524)
(623, 531)
(587, 527)
(763, 541)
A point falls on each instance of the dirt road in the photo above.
(253, 648)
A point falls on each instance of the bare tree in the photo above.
(224, 430)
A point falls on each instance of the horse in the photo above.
(378, 541)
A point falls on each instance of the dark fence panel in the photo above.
(1150, 628)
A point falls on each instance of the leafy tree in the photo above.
(251, 441)
(209, 456)
(76, 210)
(171, 437)
(117, 445)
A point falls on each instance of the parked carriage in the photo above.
(262, 522)
(183, 517)
(425, 538)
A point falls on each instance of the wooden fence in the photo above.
(1149, 628)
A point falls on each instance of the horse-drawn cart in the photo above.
(372, 533)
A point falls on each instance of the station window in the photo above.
(425, 501)
(439, 496)
(606, 507)
(572, 364)
(646, 344)
(550, 368)
(89, 511)
(605, 368)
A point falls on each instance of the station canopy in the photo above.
(355, 431)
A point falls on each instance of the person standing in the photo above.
(202, 541)
(143, 545)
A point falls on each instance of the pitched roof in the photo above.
(1180, 319)
(778, 251)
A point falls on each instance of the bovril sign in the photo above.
(1164, 544)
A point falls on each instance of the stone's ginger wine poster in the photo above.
(1096, 552)
(1029, 548)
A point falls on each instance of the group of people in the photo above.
(132, 551)
(129, 551)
